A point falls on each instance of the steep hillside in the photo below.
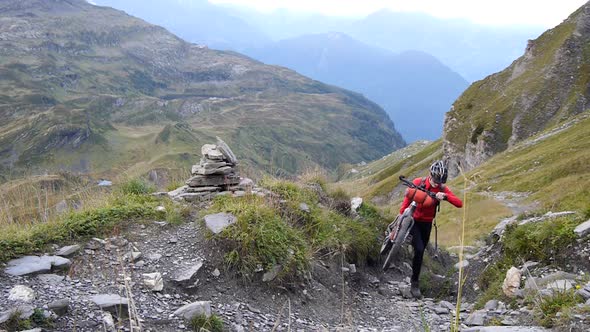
(409, 86)
(89, 89)
(546, 172)
(546, 86)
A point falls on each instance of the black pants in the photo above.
(420, 237)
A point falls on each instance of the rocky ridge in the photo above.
(545, 87)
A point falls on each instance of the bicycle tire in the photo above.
(397, 243)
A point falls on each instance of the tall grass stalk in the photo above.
(461, 242)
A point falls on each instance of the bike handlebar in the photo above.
(413, 186)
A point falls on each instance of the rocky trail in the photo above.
(153, 269)
(113, 271)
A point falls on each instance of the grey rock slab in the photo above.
(34, 264)
(153, 281)
(511, 282)
(50, 279)
(111, 302)
(178, 191)
(108, 322)
(219, 221)
(477, 318)
(60, 307)
(154, 257)
(272, 274)
(583, 229)
(447, 305)
(246, 183)
(491, 305)
(440, 310)
(200, 170)
(226, 151)
(560, 285)
(462, 264)
(202, 189)
(212, 180)
(186, 274)
(68, 250)
(355, 203)
(214, 154)
(206, 148)
(21, 293)
(25, 311)
(585, 294)
(191, 310)
(194, 197)
(239, 193)
(534, 283)
(212, 164)
(304, 207)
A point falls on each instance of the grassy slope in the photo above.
(555, 172)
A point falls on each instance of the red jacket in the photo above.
(426, 214)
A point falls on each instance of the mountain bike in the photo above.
(398, 231)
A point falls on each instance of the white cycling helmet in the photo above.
(439, 172)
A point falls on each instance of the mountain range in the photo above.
(91, 89)
(413, 87)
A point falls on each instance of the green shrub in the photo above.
(269, 232)
(39, 320)
(77, 224)
(136, 187)
(261, 237)
(542, 242)
(550, 306)
(290, 191)
(15, 323)
(202, 322)
(339, 194)
(539, 241)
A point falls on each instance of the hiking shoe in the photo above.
(415, 290)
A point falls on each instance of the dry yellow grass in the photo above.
(482, 214)
(24, 202)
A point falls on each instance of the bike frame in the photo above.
(405, 223)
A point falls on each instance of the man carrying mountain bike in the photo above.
(425, 212)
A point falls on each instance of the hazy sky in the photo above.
(547, 13)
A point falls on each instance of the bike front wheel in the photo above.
(397, 242)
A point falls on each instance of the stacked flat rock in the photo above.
(216, 170)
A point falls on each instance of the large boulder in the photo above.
(583, 229)
(187, 274)
(112, 302)
(35, 264)
(216, 223)
(511, 282)
(194, 309)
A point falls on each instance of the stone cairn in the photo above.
(215, 174)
